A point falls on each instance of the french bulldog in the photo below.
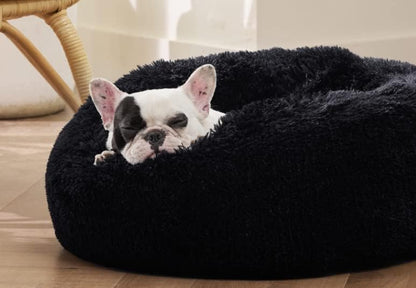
(143, 124)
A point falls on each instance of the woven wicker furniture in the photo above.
(54, 14)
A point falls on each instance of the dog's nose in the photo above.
(155, 138)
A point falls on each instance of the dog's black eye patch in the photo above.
(132, 122)
(178, 121)
(127, 123)
(131, 128)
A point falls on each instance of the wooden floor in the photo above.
(30, 255)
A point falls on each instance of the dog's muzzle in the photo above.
(155, 138)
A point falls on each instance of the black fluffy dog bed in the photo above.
(313, 171)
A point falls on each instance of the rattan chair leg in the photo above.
(74, 50)
(41, 64)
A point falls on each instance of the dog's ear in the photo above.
(200, 88)
(106, 97)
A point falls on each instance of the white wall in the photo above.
(122, 34)
(377, 28)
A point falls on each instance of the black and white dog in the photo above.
(146, 123)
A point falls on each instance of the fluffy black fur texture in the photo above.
(312, 172)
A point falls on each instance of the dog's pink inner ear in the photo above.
(200, 91)
(200, 87)
(105, 96)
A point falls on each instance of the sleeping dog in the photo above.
(141, 125)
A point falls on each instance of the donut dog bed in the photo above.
(312, 172)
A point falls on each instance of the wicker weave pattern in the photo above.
(74, 50)
(19, 8)
(54, 14)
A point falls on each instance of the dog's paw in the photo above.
(100, 158)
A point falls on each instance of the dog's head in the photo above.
(146, 123)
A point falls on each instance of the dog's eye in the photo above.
(178, 121)
(132, 125)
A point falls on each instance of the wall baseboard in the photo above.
(402, 48)
(113, 53)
